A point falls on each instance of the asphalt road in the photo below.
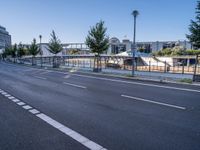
(113, 113)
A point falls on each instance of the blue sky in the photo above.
(159, 20)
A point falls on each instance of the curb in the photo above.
(106, 74)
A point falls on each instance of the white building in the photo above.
(5, 38)
(116, 46)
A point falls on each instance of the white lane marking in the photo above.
(4, 93)
(7, 95)
(27, 107)
(69, 132)
(11, 97)
(154, 102)
(75, 85)
(137, 83)
(130, 82)
(46, 72)
(40, 77)
(21, 103)
(37, 71)
(15, 100)
(34, 111)
(27, 70)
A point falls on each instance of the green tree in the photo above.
(33, 50)
(20, 51)
(13, 52)
(98, 42)
(194, 29)
(6, 52)
(192, 52)
(55, 47)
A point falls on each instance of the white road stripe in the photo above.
(137, 83)
(154, 102)
(27, 70)
(40, 77)
(37, 71)
(15, 100)
(129, 82)
(27, 107)
(78, 86)
(4, 93)
(69, 132)
(21, 103)
(11, 97)
(34, 111)
(46, 72)
(7, 95)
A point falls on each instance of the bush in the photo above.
(186, 80)
(192, 52)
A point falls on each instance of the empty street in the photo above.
(54, 110)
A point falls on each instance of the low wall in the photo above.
(153, 75)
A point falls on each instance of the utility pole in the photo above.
(135, 13)
(40, 36)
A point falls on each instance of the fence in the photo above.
(109, 62)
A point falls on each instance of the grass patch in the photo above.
(186, 81)
(128, 75)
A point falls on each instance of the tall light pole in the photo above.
(135, 13)
(40, 36)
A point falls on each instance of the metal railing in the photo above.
(108, 62)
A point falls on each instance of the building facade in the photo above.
(117, 46)
(5, 38)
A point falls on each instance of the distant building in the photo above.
(159, 45)
(5, 38)
(117, 47)
(68, 49)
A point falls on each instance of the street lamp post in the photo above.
(40, 36)
(135, 13)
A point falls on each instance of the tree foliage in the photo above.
(34, 49)
(55, 44)
(21, 50)
(194, 29)
(14, 51)
(97, 40)
(176, 52)
(10, 51)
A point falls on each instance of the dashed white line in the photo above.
(40, 77)
(11, 97)
(67, 131)
(15, 100)
(75, 85)
(46, 72)
(154, 102)
(73, 134)
(34, 111)
(27, 107)
(138, 83)
(21, 103)
(7, 95)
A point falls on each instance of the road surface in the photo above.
(45, 109)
